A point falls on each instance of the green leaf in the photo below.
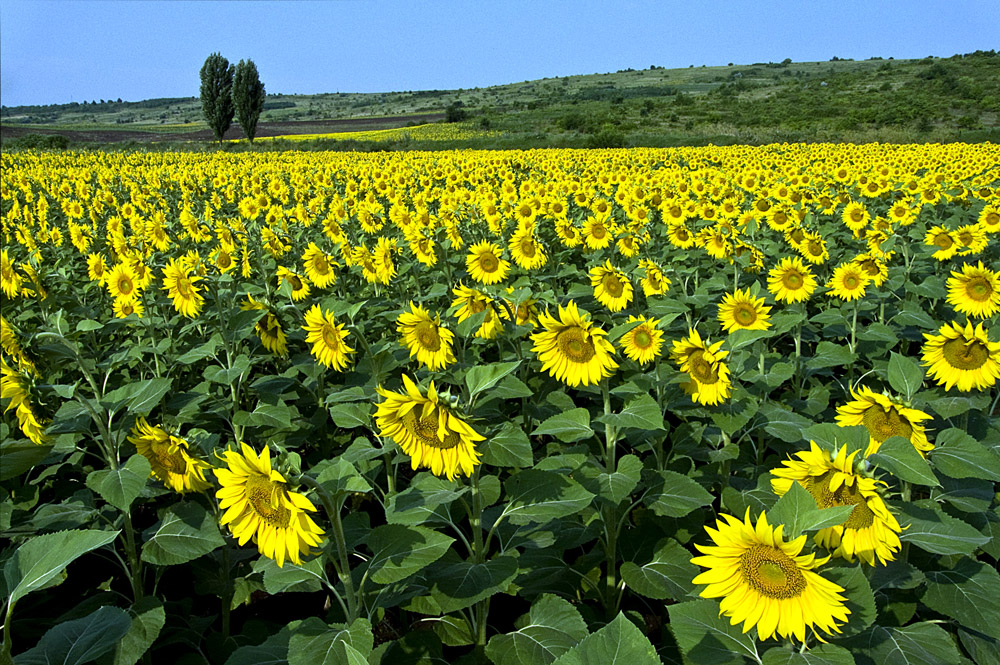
(121, 486)
(618, 331)
(929, 528)
(148, 618)
(272, 651)
(569, 426)
(968, 594)
(618, 643)
(206, 350)
(668, 575)
(483, 377)
(798, 511)
(828, 354)
(420, 502)
(17, 456)
(41, 558)
(674, 495)
(983, 650)
(821, 654)
(459, 584)
(832, 437)
(642, 413)
(782, 423)
(905, 375)
(277, 416)
(401, 550)
(350, 415)
(916, 644)
(338, 476)
(88, 324)
(617, 486)
(898, 456)
(706, 638)
(138, 397)
(958, 455)
(541, 496)
(551, 628)
(291, 577)
(186, 531)
(80, 640)
(949, 406)
(314, 643)
(740, 338)
(509, 447)
(860, 599)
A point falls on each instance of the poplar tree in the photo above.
(248, 97)
(217, 94)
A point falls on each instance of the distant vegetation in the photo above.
(931, 99)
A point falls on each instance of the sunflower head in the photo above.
(644, 342)
(975, 291)
(572, 349)
(426, 338)
(848, 282)
(741, 311)
(612, 287)
(962, 357)
(328, 339)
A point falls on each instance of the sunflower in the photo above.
(485, 264)
(766, 582)
(268, 328)
(989, 218)
(329, 339)
(870, 531)
(179, 284)
(471, 301)
(945, 242)
(11, 346)
(125, 306)
(971, 239)
(169, 458)
(848, 282)
(883, 417)
(121, 282)
(612, 287)
(596, 232)
(385, 265)
(643, 343)
(709, 381)
(300, 287)
(655, 283)
(572, 349)
(855, 217)
(259, 507)
(813, 248)
(975, 291)
(962, 357)
(428, 431)
(791, 281)
(876, 268)
(741, 311)
(526, 250)
(426, 338)
(14, 387)
(97, 270)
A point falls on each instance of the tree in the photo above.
(217, 94)
(248, 97)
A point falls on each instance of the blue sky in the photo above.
(57, 51)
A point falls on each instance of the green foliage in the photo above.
(217, 94)
(248, 97)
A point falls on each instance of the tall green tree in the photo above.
(248, 97)
(217, 94)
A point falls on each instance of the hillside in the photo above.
(932, 99)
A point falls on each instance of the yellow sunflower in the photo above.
(319, 267)
(596, 232)
(10, 280)
(945, 242)
(709, 376)
(963, 357)
(268, 328)
(855, 216)
(791, 281)
(680, 235)
(989, 218)
(121, 282)
(300, 287)
(126, 306)
(876, 268)
(572, 349)
(848, 282)
(426, 338)
(97, 270)
(428, 431)
(655, 283)
(975, 291)
(741, 311)
(471, 301)
(870, 531)
(526, 250)
(644, 342)
(485, 263)
(884, 417)
(328, 339)
(14, 387)
(612, 287)
(169, 458)
(766, 582)
(179, 284)
(259, 507)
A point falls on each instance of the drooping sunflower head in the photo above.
(875, 267)
(425, 337)
(848, 282)
(870, 532)
(741, 311)
(644, 342)
(180, 285)
(655, 283)
(328, 339)
(766, 582)
(962, 356)
(258, 506)
(169, 458)
(486, 264)
(572, 349)
(975, 291)
(471, 301)
(612, 287)
(884, 417)
(298, 283)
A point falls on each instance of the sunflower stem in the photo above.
(609, 512)
(135, 563)
(5, 649)
(344, 569)
(482, 608)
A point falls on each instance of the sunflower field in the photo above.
(701, 405)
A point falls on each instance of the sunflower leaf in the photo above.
(121, 486)
(672, 494)
(38, 560)
(905, 375)
(929, 528)
(706, 638)
(568, 426)
(968, 594)
(668, 575)
(917, 644)
(860, 599)
(508, 447)
(822, 654)
(484, 377)
(148, 617)
(551, 628)
(185, 532)
(401, 550)
(459, 584)
(641, 413)
(541, 496)
(898, 456)
(618, 643)
(80, 640)
(958, 455)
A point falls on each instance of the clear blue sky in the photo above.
(57, 51)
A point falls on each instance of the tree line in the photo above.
(231, 90)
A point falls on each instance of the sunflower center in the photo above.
(851, 282)
(528, 247)
(965, 238)
(613, 285)
(642, 339)
(992, 219)
(184, 287)
(425, 428)
(262, 494)
(295, 282)
(427, 334)
(171, 462)
(321, 265)
(330, 337)
(815, 248)
(979, 289)
(488, 262)
(745, 314)
(943, 240)
(476, 306)
(576, 345)
(964, 355)
(224, 260)
(883, 424)
(599, 232)
(702, 370)
(771, 572)
(125, 286)
(792, 280)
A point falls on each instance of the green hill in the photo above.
(932, 99)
